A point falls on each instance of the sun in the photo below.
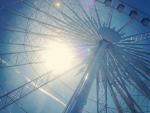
(58, 56)
(57, 4)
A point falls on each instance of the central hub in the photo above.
(110, 34)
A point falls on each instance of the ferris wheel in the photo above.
(74, 56)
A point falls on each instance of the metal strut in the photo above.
(15, 95)
(79, 98)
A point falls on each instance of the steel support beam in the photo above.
(79, 98)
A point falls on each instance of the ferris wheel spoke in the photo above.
(133, 48)
(74, 27)
(136, 38)
(85, 20)
(49, 26)
(137, 80)
(9, 43)
(140, 65)
(98, 17)
(126, 24)
(23, 31)
(114, 97)
(127, 100)
(19, 52)
(73, 21)
(2, 66)
(125, 75)
(141, 58)
(31, 5)
(122, 84)
(139, 53)
(16, 59)
(115, 65)
(110, 16)
(142, 55)
(88, 19)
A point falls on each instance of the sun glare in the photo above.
(57, 4)
(58, 57)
